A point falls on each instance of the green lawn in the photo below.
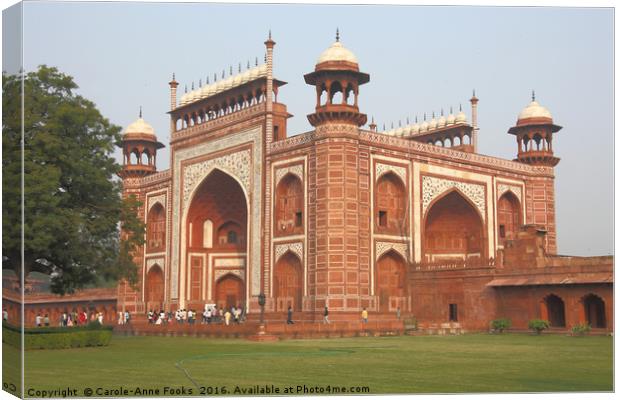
(449, 364)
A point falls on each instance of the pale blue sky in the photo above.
(420, 59)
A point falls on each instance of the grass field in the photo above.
(422, 364)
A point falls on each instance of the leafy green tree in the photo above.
(73, 207)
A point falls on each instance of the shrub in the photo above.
(57, 337)
(499, 325)
(538, 325)
(581, 329)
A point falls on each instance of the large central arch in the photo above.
(453, 230)
(216, 229)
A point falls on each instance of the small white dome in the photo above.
(183, 100)
(433, 124)
(399, 131)
(140, 126)
(534, 110)
(441, 122)
(415, 129)
(337, 52)
(254, 73)
(461, 117)
(450, 120)
(424, 126)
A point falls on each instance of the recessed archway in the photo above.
(453, 230)
(288, 283)
(229, 291)
(554, 306)
(508, 216)
(156, 229)
(594, 309)
(219, 208)
(390, 205)
(154, 288)
(289, 206)
(390, 279)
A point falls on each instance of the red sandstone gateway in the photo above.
(409, 221)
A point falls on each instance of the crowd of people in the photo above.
(211, 315)
(69, 319)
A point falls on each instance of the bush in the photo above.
(581, 329)
(58, 337)
(538, 325)
(499, 325)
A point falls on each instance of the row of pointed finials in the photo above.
(225, 83)
(426, 126)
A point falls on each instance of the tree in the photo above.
(73, 208)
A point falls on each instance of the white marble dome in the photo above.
(337, 52)
(140, 126)
(534, 110)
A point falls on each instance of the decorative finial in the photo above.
(442, 111)
(407, 120)
(460, 107)
(223, 73)
(248, 67)
(337, 35)
(140, 115)
(265, 57)
(192, 85)
(399, 124)
(173, 76)
(207, 79)
(384, 126)
(533, 95)
(372, 119)
(214, 77)
(392, 126)
(451, 110)
(200, 82)
(416, 119)
(474, 93)
(239, 67)
(269, 34)
(185, 88)
(256, 62)
(230, 71)
(424, 116)
(433, 114)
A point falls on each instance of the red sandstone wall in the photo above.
(540, 208)
(522, 304)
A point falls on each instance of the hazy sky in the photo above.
(420, 59)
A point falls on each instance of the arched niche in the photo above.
(391, 279)
(390, 205)
(229, 291)
(508, 216)
(289, 206)
(156, 229)
(154, 288)
(594, 311)
(554, 311)
(453, 230)
(288, 282)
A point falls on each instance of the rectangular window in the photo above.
(276, 132)
(298, 218)
(382, 218)
(502, 231)
(453, 313)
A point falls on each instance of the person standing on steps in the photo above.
(326, 316)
